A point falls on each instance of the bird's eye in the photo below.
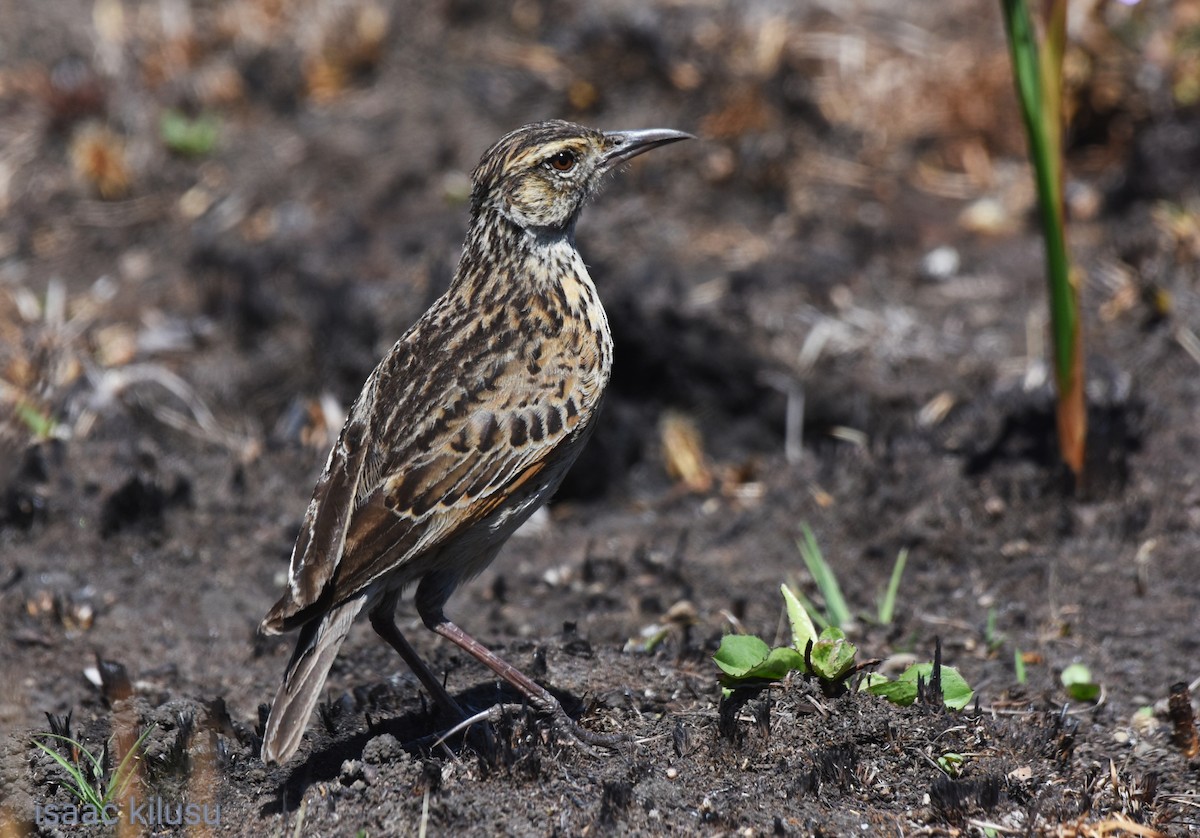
(564, 161)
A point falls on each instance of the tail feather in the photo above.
(316, 649)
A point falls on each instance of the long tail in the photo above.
(316, 648)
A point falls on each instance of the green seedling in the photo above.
(836, 611)
(40, 424)
(831, 658)
(956, 694)
(951, 764)
(86, 778)
(991, 635)
(1078, 682)
(887, 605)
(648, 640)
(1038, 72)
(189, 136)
(747, 662)
(1019, 666)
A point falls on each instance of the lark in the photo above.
(466, 426)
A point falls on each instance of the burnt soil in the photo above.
(849, 241)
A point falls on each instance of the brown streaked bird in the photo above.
(465, 428)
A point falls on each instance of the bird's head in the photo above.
(540, 176)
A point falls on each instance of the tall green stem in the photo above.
(1038, 76)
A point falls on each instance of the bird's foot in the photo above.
(580, 736)
(480, 734)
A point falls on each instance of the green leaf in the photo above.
(811, 609)
(956, 694)
(778, 664)
(87, 792)
(39, 423)
(951, 763)
(125, 771)
(192, 137)
(898, 692)
(746, 661)
(802, 625)
(774, 667)
(832, 655)
(991, 636)
(739, 653)
(1077, 679)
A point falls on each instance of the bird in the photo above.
(464, 429)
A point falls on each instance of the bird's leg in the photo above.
(384, 623)
(383, 620)
(537, 695)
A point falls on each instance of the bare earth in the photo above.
(849, 242)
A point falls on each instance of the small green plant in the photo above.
(837, 612)
(86, 772)
(1079, 684)
(39, 423)
(1019, 666)
(992, 636)
(887, 604)
(747, 662)
(906, 689)
(189, 136)
(951, 764)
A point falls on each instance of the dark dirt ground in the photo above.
(849, 240)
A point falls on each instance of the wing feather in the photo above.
(326, 522)
(403, 479)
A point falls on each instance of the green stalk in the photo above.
(1038, 77)
(887, 606)
(836, 610)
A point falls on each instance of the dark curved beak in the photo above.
(625, 145)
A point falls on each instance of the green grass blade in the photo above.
(124, 773)
(79, 747)
(887, 607)
(835, 604)
(83, 790)
(991, 636)
(1022, 44)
